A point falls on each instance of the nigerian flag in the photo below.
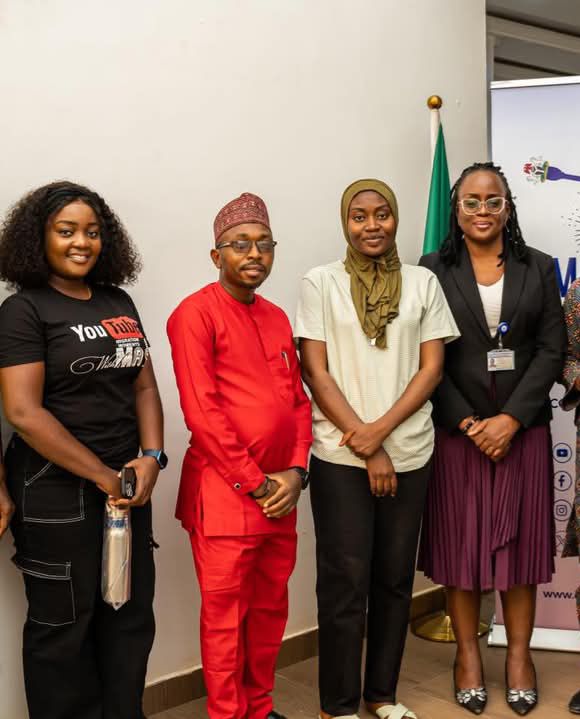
(437, 223)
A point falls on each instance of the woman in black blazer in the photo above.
(489, 522)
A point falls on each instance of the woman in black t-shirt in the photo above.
(78, 386)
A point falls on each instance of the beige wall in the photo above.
(169, 108)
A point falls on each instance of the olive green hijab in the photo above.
(375, 282)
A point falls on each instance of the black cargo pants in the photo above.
(82, 659)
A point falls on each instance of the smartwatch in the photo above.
(303, 474)
(158, 454)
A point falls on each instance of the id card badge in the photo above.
(501, 360)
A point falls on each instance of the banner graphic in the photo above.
(535, 140)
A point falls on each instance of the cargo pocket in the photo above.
(49, 591)
(51, 495)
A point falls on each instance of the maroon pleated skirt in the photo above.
(489, 525)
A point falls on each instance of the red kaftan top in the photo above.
(242, 397)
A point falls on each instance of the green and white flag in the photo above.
(437, 224)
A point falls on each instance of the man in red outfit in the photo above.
(242, 397)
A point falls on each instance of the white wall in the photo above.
(170, 108)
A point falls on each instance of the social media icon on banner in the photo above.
(562, 510)
(562, 481)
(562, 452)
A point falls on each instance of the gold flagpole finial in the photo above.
(434, 102)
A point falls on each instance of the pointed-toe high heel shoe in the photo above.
(574, 705)
(473, 699)
(521, 701)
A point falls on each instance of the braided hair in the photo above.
(512, 234)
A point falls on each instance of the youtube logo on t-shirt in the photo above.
(122, 328)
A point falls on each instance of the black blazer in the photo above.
(532, 307)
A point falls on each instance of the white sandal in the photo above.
(394, 711)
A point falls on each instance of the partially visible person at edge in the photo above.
(78, 387)
(571, 400)
(488, 522)
(6, 503)
(372, 334)
(250, 420)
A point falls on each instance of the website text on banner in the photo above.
(543, 167)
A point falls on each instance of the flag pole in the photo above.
(434, 103)
(436, 626)
(438, 208)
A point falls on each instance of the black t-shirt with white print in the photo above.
(93, 351)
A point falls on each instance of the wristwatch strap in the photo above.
(303, 474)
(157, 454)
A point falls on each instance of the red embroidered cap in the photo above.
(245, 208)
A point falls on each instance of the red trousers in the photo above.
(244, 608)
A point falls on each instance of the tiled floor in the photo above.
(425, 685)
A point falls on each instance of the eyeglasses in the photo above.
(471, 205)
(242, 247)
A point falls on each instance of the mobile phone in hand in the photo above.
(128, 482)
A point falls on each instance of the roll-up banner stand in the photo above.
(535, 129)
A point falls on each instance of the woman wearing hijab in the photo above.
(371, 334)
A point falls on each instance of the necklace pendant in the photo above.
(372, 341)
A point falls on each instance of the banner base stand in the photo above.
(556, 640)
(437, 628)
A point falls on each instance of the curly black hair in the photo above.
(513, 239)
(23, 262)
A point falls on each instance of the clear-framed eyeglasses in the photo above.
(472, 205)
(242, 247)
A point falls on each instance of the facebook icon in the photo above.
(562, 481)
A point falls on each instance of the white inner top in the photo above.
(491, 296)
(370, 378)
